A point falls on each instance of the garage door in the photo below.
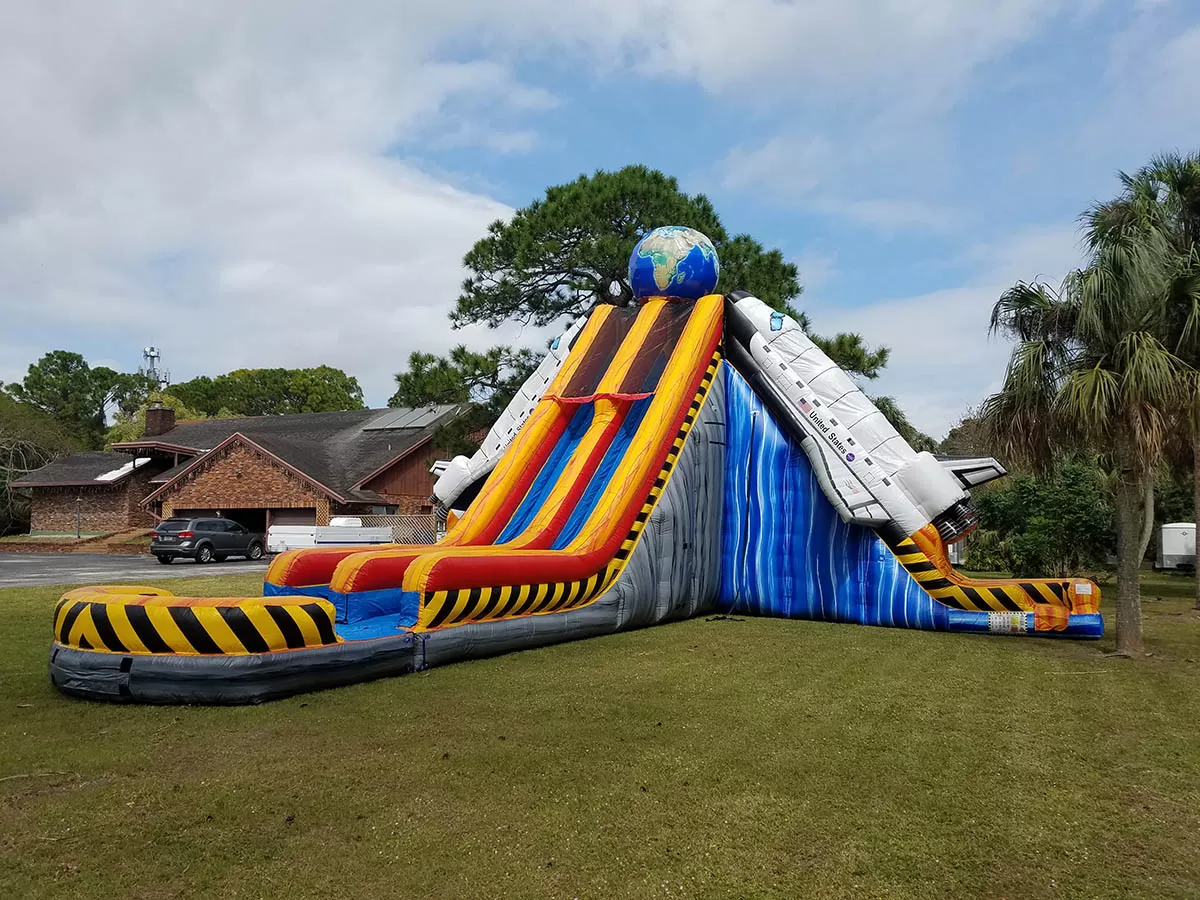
(293, 517)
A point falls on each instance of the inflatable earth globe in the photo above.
(673, 261)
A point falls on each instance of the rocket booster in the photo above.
(462, 472)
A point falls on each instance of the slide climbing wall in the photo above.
(786, 552)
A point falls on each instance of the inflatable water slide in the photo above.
(691, 454)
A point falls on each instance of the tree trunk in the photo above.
(1147, 515)
(1196, 501)
(1130, 521)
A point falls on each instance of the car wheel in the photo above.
(254, 551)
(163, 558)
(204, 554)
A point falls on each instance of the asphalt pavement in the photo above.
(30, 569)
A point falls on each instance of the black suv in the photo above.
(204, 540)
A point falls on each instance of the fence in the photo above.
(410, 529)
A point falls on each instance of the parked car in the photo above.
(204, 540)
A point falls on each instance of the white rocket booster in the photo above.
(461, 472)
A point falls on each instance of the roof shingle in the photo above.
(79, 469)
(338, 449)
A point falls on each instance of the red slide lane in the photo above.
(485, 520)
(379, 572)
(316, 565)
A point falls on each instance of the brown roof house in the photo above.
(285, 470)
(89, 493)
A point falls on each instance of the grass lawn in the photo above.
(731, 758)
(47, 538)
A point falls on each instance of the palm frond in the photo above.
(1189, 406)
(1089, 399)
(1183, 307)
(1019, 431)
(1150, 429)
(1034, 311)
(1150, 373)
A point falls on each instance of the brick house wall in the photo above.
(242, 478)
(412, 506)
(104, 507)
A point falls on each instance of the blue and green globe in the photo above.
(673, 261)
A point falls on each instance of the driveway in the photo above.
(30, 569)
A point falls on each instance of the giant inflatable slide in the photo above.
(689, 454)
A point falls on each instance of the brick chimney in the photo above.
(159, 419)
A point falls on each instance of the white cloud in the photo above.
(891, 216)
(14, 358)
(918, 49)
(812, 171)
(830, 178)
(1152, 97)
(214, 180)
(1178, 75)
(943, 360)
(843, 177)
(228, 179)
(870, 84)
(817, 269)
(1045, 252)
(794, 166)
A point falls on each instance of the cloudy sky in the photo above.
(295, 183)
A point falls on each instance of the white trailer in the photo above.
(298, 537)
(1177, 546)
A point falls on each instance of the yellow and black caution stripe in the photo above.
(459, 607)
(121, 620)
(931, 569)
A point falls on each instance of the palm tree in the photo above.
(1164, 195)
(1091, 371)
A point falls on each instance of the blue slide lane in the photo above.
(314, 590)
(603, 474)
(551, 470)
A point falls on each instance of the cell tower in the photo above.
(151, 359)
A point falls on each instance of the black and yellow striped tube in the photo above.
(924, 557)
(459, 607)
(137, 620)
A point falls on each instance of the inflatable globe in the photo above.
(673, 261)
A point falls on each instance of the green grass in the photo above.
(731, 758)
(48, 537)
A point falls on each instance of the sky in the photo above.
(295, 183)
